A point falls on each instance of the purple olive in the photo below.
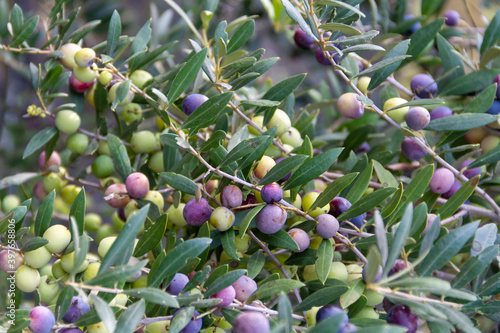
(442, 181)
(303, 40)
(270, 219)
(42, 319)
(251, 322)
(418, 118)
(192, 102)
(301, 238)
(401, 315)
(197, 213)
(271, 193)
(452, 18)
(327, 226)
(470, 173)
(423, 85)
(411, 150)
(441, 112)
(231, 196)
(244, 287)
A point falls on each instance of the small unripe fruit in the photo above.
(441, 181)
(301, 238)
(244, 287)
(307, 202)
(363, 83)
(222, 218)
(281, 120)
(143, 142)
(423, 85)
(105, 78)
(137, 185)
(251, 322)
(156, 162)
(270, 219)
(112, 95)
(84, 57)
(291, 137)
(192, 102)
(120, 197)
(102, 166)
(349, 106)
(105, 245)
(68, 261)
(92, 222)
(338, 271)
(476, 135)
(37, 258)
(398, 114)
(271, 193)
(354, 272)
(41, 319)
(67, 121)
(54, 159)
(156, 198)
(131, 112)
(417, 118)
(48, 289)
(197, 213)
(242, 244)
(265, 164)
(27, 278)
(302, 40)
(411, 150)
(68, 59)
(97, 328)
(69, 193)
(140, 78)
(327, 226)
(10, 202)
(175, 215)
(441, 112)
(231, 196)
(52, 181)
(373, 297)
(59, 238)
(452, 18)
(84, 74)
(489, 143)
(259, 121)
(103, 148)
(77, 143)
(91, 271)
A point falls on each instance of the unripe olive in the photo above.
(222, 218)
(131, 112)
(48, 289)
(105, 78)
(84, 57)
(112, 95)
(266, 163)
(68, 261)
(354, 271)
(156, 162)
(143, 142)
(103, 166)
(373, 297)
(281, 120)
(52, 181)
(68, 59)
(59, 238)
(338, 271)
(27, 278)
(259, 121)
(141, 78)
(292, 137)
(84, 74)
(91, 271)
(38, 257)
(104, 231)
(399, 114)
(103, 148)
(67, 121)
(69, 193)
(476, 135)
(363, 83)
(156, 198)
(307, 202)
(57, 269)
(105, 245)
(92, 222)
(97, 328)
(10, 202)
(176, 216)
(368, 313)
(490, 142)
(77, 143)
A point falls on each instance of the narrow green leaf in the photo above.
(491, 286)
(280, 239)
(249, 217)
(176, 259)
(17, 179)
(119, 253)
(490, 157)
(181, 319)
(227, 238)
(64, 301)
(186, 76)
(242, 149)
(260, 102)
(355, 291)
(422, 37)
(117, 274)
(285, 312)
(274, 288)
(78, 210)
(51, 78)
(282, 168)
(419, 102)
(492, 33)
(472, 82)
(340, 4)
(282, 89)
(215, 274)
(430, 7)
(297, 17)
(224, 281)
(485, 237)
(207, 113)
(473, 267)
(346, 29)
(258, 151)
(368, 202)
(241, 36)
(104, 312)
(114, 32)
(381, 236)
(39, 140)
(324, 261)
(452, 63)
(331, 324)
(152, 236)
(458, 199)
(360, 184)
(400, 237)
(25, 31)
(394, 61)
(446, 248)
(120, 156)
(44, 215)
(131, 317)
(34, 243)
(322, 297)
(255, 264)
(312, 168)
(483, 101)
(91, 317)
(460, 122)
(179, 182)
(332, 190)
(385, 177)
(140, 44)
